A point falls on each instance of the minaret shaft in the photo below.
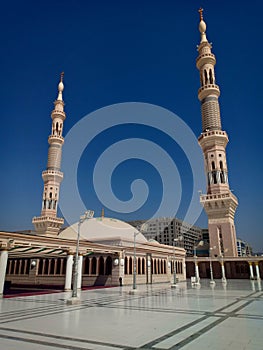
(220, 204)
(48, 222)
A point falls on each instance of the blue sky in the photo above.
(127, 51)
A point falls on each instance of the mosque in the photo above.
(108, 251)
(111, 252)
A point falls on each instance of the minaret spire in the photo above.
(202, 26)
(48, 222)
(201, 13)
(60, 87)
(220, 204)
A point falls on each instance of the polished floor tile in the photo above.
(155, 317)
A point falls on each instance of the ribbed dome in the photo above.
(103, 229)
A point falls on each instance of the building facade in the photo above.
(219, 203)
(171, 231)
(243, 248)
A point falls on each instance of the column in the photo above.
(257, 271)
(117, 273)
(3, 264)
(121, 268)
(251, 270)
(69, 267)
(149, 269)
(197, 273)
(80, 272)
(223, 272)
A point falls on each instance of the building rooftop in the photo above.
(103, 229)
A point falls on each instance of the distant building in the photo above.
(168, 229)
(243, 248)
(205, 235)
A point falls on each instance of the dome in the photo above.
(103, 229)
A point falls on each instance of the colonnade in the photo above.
(251, 270)
(253, 276)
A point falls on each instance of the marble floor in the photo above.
(155, 317)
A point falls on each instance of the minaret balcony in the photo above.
(223, 203)
(58, 114)
(207, 90)
(47, 218)
(217, 196)
(56, 139)
(210, 138)
(205, 58)
(52, 175)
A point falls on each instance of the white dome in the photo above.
(103, 229)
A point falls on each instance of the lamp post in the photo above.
(74, 299)
(211, 266)
(180, 238)
(223, 267)
(134, 261)
(197, 278)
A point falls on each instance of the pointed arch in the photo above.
(139, 266)
(126, 265)
(108, 267)
(52, 267)
(58, 267)
(130, 266)
(206, 77)
(40, 267)
(86, 265)
(155, 266)
(94, 266)
(101, 266)
(46, 266)
(211, 78)
(143, 266)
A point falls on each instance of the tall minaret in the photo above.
(48, 222)
(220, 204)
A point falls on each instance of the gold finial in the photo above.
(61, 77)
(201, 13)
(102, 212)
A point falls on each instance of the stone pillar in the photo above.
(80, 272)
(3, 264)
(149, 263)
(257, 271)
(117, 274)
(223, 272)
(122, 263)
(69, 268)
(184, 269)
(251, 270)
(197, 273)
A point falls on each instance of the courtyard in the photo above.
(155, 317)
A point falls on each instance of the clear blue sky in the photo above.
(122, 51)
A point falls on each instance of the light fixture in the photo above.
(116, 262)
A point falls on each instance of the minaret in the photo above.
(220, 204)
(48, 222)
